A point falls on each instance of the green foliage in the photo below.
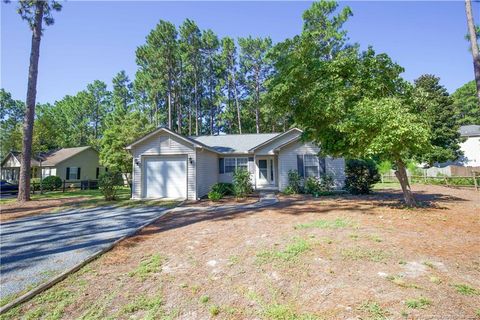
(242, 184)
(51, 183)
(384, 167)
(109, 183)
(420, 303)
(11, 118)
(432, 101)
(466, 105)
(215, 195)
(360, 176)
(466, 290)
(147, 267)
(291, 252)
(317, 186)
(294, 182)
(375, 311)
(225, 189)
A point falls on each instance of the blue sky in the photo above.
(94, 40)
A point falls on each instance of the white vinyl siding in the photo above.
(163, 144)
(207, 171)
(287, 160)
(269, 148)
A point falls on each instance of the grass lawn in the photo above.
(334, 257)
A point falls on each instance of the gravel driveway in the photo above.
(34, 249)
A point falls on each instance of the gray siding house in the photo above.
(169, 165)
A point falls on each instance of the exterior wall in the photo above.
(11, 162)
(269, 148)
(163, 144)
(207, 171)
(287, 160)
(87, 161)
(471, 151)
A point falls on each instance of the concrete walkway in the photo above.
(35, 249)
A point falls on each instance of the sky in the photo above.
(93, 40)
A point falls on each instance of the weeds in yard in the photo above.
(289, 254)
(435, 280)
(364, 254)
(429, 264)
(214, 310)
(374, 310)
(466, 290)
(204, 299)
(420, 303)
(147, 267)
(233, 260)
(325, 224)
(151, 305)
(375, 238)
(401, 283)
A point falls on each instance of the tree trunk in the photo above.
(257, 98)
(401, 174)
(473, 42)
(25, 164)
(237, 104)
(169, 110)
(196, 108)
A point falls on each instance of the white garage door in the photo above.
(165, 177)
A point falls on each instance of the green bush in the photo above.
(225, 189)
(312, 186)
(294, 183)
(242, 185)
(215, 195)
(360, 176)
(109, 183)
(51, 183)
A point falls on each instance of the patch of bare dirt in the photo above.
(371, 257)
(16, 210)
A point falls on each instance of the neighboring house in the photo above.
(70, 164)
(471, 146)
(169, 165)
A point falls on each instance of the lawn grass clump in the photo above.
(420, 303)
(374, 310)
(289, 254)
(214, 310)
(466, 290)
(325, 224)
(204, 299)
(366, 254)
(402, 283)
(277, 311)
(151, 305)
(147, 267)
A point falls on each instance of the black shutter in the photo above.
(68, 174)
(300, 165)
(78, 173)
(323, 165)
(98, 173)
(221, 165)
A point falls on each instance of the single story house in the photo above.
(170, 165)
(70, 164)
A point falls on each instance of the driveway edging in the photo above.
(44, 286)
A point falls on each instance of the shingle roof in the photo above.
(58, 156)
(234, 142)
(470, 130)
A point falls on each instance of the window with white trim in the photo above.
(232, 164)
(46, 172)
(311, 165)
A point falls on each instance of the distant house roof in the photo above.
(470, 130)
(50, 158)
(234, 143)
(55, 157)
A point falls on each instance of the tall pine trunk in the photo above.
(401, 174)
(196, 107)
(25, 161)
(236, 103)
(257, 98)
(473, 42)
(169, 109)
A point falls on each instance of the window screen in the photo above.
(311, 165)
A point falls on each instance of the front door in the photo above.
(265, 171)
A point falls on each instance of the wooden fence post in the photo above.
(63, 189)
(446, 181)
(475, 180)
